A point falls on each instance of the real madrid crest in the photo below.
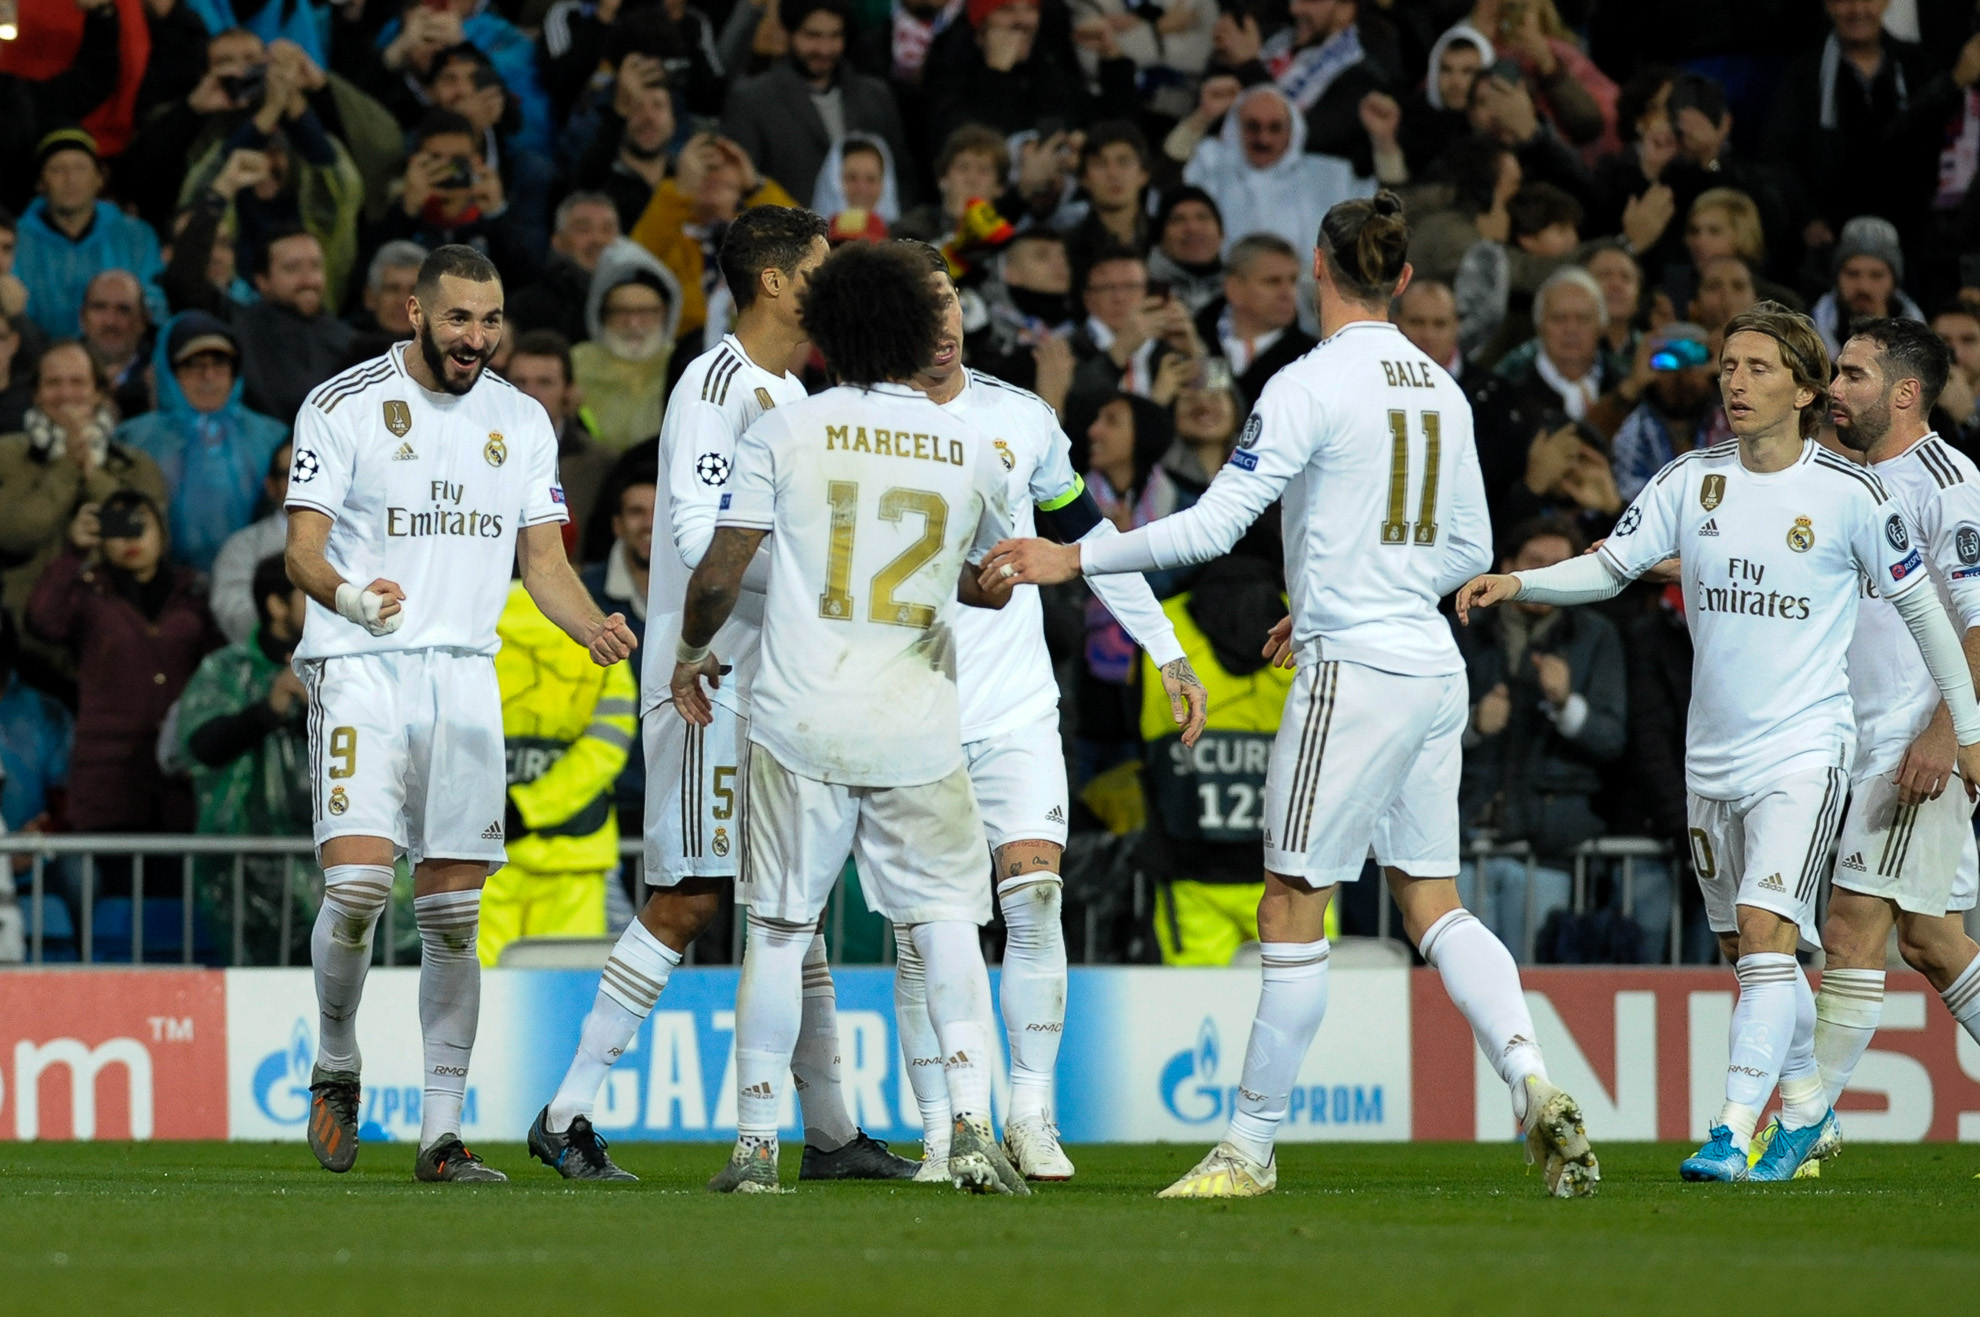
(339, 802)
(1004, 454)
(497, 450)
(398, 418)
(1801, 536)
(1712, 492)
(721, 844)
(764, 400)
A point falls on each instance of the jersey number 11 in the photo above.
(1395, 528)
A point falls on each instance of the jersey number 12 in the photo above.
(1395, 527)
(836, 602)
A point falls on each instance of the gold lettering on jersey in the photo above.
(764, 400)
(398, 418)
(1801, 536)
(496, 450)
(1736, 597)
(1712, 492)
(404, 523)
(1409, 374)
(903, 444)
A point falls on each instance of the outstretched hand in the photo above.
(1189, 701)
(1030, 562)
(1483, 592)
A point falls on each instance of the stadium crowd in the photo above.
(208, 207)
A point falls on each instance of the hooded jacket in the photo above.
(625, 398)
(213, 461)
(57, 268)
(1288, 197)
(828, 196)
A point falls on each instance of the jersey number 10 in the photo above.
(836, 603)
(1395, 527)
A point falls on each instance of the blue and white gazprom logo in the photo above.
(1194, 1091)
(390, 1111)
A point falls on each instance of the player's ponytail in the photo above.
(1366, 243)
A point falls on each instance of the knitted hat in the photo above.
(1867, 235)
(64, 139)
(982, 9)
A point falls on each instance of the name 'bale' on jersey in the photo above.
(874, 498)
(1938, 489)
(424, 489)
(1771, 568)
(719, 395)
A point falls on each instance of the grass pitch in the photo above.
(1427, 1228)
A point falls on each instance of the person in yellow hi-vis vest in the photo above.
(1204, 842)
(567, 725)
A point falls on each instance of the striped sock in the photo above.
(634, 976)
(1292, 1001)
(1962, 998)
(815, 1063)
(1846, 1013)
(1482, 981)
(449, 1004)
(354, 895)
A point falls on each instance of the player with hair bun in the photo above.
(1370, 444)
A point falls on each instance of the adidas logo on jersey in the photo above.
(1055, 815)
(493, 832)
(405, 454)
(1711, 527)
(1772, 883)
(1856, 862)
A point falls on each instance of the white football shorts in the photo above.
(1020, 782)
(1921, 856)
(1768, 850)
(1365, 757)
(408, 745)
(919, 849)
(695, 781)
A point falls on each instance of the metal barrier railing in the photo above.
(295, 852)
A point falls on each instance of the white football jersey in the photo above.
(1771, 566)
(874, 498)
(1370, 443)
(424, 489)
(717, 397)
(1938, 489)
(1003, 671)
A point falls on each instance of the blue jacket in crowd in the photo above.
(56, 270)
(514, 57)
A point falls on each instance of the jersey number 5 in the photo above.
(836, 602)
(1395, 528)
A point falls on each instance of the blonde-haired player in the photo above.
(1370, 443)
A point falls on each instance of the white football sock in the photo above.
(1802, 1103)
(634, 976)
(959, 1006)
(1032, 990)
(449, 1004)
(1762, 1030)
(1482, 981)
(1846, 1013)
(354, 895)
(768, 1011)
(1292, 1000)
(815, 1063)
(921, 1051)
(1962, 998)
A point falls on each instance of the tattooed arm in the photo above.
(1189, 702)
(711, 596)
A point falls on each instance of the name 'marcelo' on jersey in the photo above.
(1772, 562)
(1003, 672)
(719, 395)
(874, 498)
(426, 490)
(1938, 489)
(1370, 442)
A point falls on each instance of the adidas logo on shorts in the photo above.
(493, 832)
(1711, 527)
(1055, 815)
(1772, 883)
(405, 454)
(1855, 862)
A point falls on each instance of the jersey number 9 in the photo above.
(836, 603)
(1395, 528)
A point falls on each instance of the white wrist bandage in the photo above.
(689, 654)
(361, 607)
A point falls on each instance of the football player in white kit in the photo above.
(1907, 857)
(872, 499)
(1776, 534)
(1370, 443)
(1010, 731)
(418, 480)
(693, 774)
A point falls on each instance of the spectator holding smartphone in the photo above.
(449, 194)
